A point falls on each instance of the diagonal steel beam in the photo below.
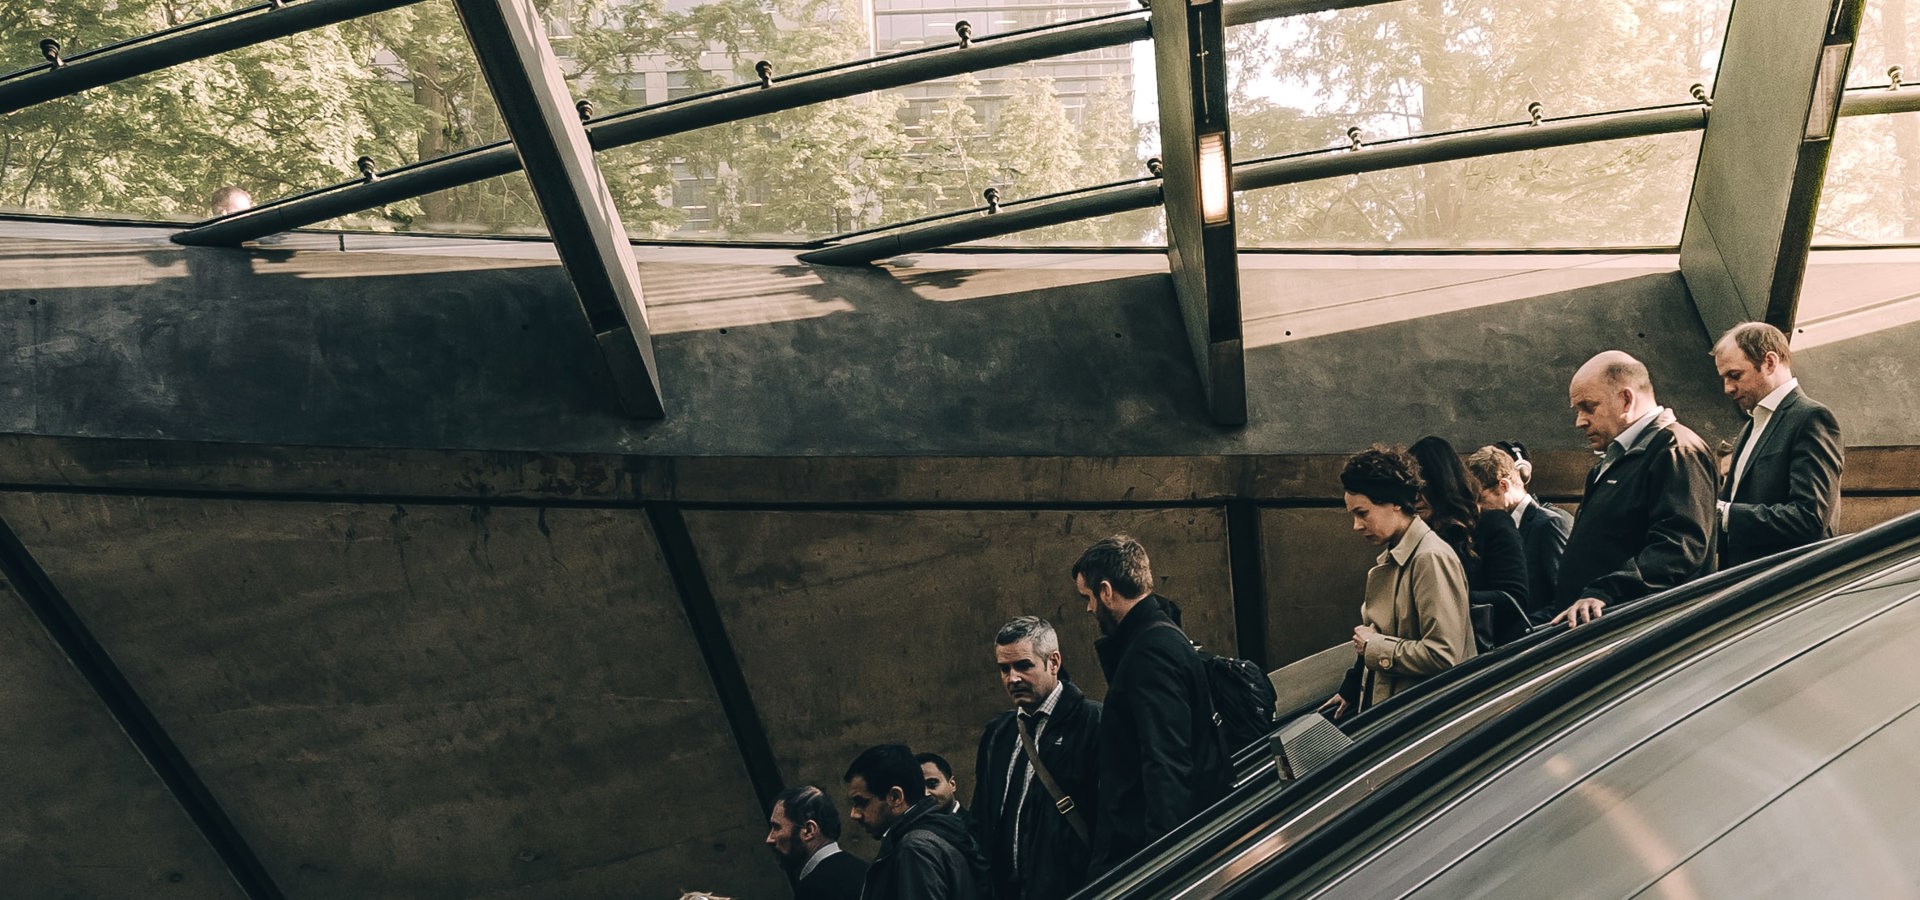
(1190, 59)
(725, 105)
(195, 40)
(511, 44)
(1756, 188)
(64, 625)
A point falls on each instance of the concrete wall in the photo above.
(365, 534)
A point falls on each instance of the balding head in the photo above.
(1607, 394)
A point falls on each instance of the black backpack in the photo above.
(1243, 697)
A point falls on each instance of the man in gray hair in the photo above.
(1032, 822)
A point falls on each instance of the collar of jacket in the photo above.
(1654, 429)
(1141, 617)
(899, 829)
(1402, 550)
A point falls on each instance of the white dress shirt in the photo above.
(1762, 414)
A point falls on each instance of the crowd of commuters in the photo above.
(1067, 787)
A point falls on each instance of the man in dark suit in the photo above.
(1038, 845)
(804, 833)
(1161, 757)
(1501, 479)
(1647, 520)
(1783, 490)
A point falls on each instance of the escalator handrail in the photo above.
(1375, 732)
(1789, 579)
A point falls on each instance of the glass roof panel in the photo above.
(1872, 190)
(1627, 193)
(1425, 66)
(269, 120)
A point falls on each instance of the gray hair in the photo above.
(1030, 628)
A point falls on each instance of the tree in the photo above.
(1425, 66)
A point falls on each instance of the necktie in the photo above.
(1021, 772)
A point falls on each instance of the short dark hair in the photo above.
(806, 803)
(1385, 475)
(939, 762)
(1756, 340)
(1118, 560)
(888, 766)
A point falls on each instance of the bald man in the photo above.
(1648, 518)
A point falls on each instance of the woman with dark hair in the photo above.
(1413, 618)
(1487, 542)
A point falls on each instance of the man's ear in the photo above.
(808, 830)
(1053, 665)
(895, 795)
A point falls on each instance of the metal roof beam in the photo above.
(195, 40)
(1190, 61)
(725, 105)
(511, 44)
(1756, 188)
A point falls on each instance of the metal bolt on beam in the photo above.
(585, 109)
(50, 49)
(1893, 78)
(964, 29)
(1699, 92)
(1155, 166)
(765, 70)
(992, 196)
(367, 171)
(1353, 138)
(1533, 111)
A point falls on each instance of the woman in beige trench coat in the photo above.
(1414, 620)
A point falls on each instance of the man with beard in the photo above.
(1037, 844)
(925, 854)
(805, 836)
(1161, 757)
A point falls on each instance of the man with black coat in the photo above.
(1162, 759)
(1783, 490)
(1035, 843)
(1647, 521)
(925, 854)
(804, 833)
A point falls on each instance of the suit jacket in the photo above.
(1790, 493)
(1161, 757)
(1053, 857)
(1497, 573)
(1647, 523)
(838, 877)
(1543, 537)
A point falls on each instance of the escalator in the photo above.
(1327, 830)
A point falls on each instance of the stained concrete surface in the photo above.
(857, 629)
(81, 814)
(1316, 569)
(469, 700)
(420, 702)
(762, 359)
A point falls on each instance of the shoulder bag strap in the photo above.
(1061, 801)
